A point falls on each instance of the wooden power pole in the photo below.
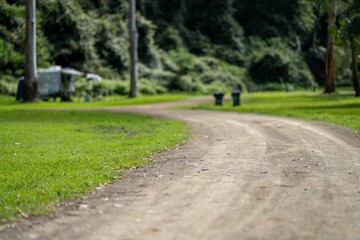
(133, 50)
(30, 81)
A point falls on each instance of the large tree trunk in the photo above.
(330, 52)
(133, 50)
(30, 81)
(355, 74)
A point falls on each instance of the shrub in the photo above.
(148, 51)
(226, 78)
(278, 63)
(167, 63)
(148, 87)
(181, 83)
(8, 85)
(276, 87)
(315, 58)
(10, 60)
(269, 68)
(216, 86)
(111, 87)
(198, 87)
(111, 43)
(122, 87)
(187, 62)
(155, 74)
(169, 39)
(101, 88)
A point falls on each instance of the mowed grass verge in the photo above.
(48, 156)
(340, 109)
(9, 103)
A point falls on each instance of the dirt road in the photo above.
(241, 176)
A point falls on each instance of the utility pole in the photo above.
(30, 81)
(133, 50)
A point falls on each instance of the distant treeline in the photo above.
(184, 45)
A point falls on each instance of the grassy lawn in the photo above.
(339, 109)
(47, 156)
(9, 103)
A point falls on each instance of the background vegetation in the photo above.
(187, 45)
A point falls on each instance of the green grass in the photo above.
(48, 156)
(8, 102)
(340, 109)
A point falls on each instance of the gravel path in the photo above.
(242, 176)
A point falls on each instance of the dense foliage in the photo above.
(187, 45)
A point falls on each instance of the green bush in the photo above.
(148, 87)
(181, 83)
(196, 73)
(111, 87)
(10, 59)
(106, 87)
(111, 43)
(187, 62)
(278, 63)
(198, 87)
(122, 87)
(169, 39)
(227, 79)
(101, 88)
(269, 68)
(276, 87)
(167, 63)
(315, 58)
(148, 51)
(8, 85)
(217, 86)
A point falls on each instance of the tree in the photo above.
(354, 67)
(351, 33)
(30, 81)
(330, 49)
(348, 22)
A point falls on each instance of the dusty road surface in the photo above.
(241, 176)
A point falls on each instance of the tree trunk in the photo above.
(133, 50)
(355, 74)
(30, 81)
(330, 52)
